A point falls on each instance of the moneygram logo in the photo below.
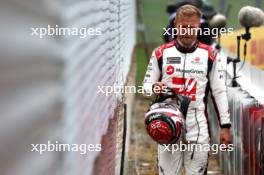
(190, 71)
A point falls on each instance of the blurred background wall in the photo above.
(49, 85)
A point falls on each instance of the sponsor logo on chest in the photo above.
(174, 60)
(194, 71)
(196, 61)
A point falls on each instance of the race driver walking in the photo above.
(192, 69)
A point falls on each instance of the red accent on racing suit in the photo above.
(194, 69)
(197, 70)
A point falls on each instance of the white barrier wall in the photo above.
(48, 86)
(102, 60)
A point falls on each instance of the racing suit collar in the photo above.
(183, 49)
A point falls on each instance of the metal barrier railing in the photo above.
(247, 127)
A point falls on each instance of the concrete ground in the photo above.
(142, 155)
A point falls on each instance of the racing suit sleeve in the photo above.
(219, 92)
(152, 75)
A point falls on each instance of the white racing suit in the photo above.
(191, 72)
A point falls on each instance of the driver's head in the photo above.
(187, 17)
